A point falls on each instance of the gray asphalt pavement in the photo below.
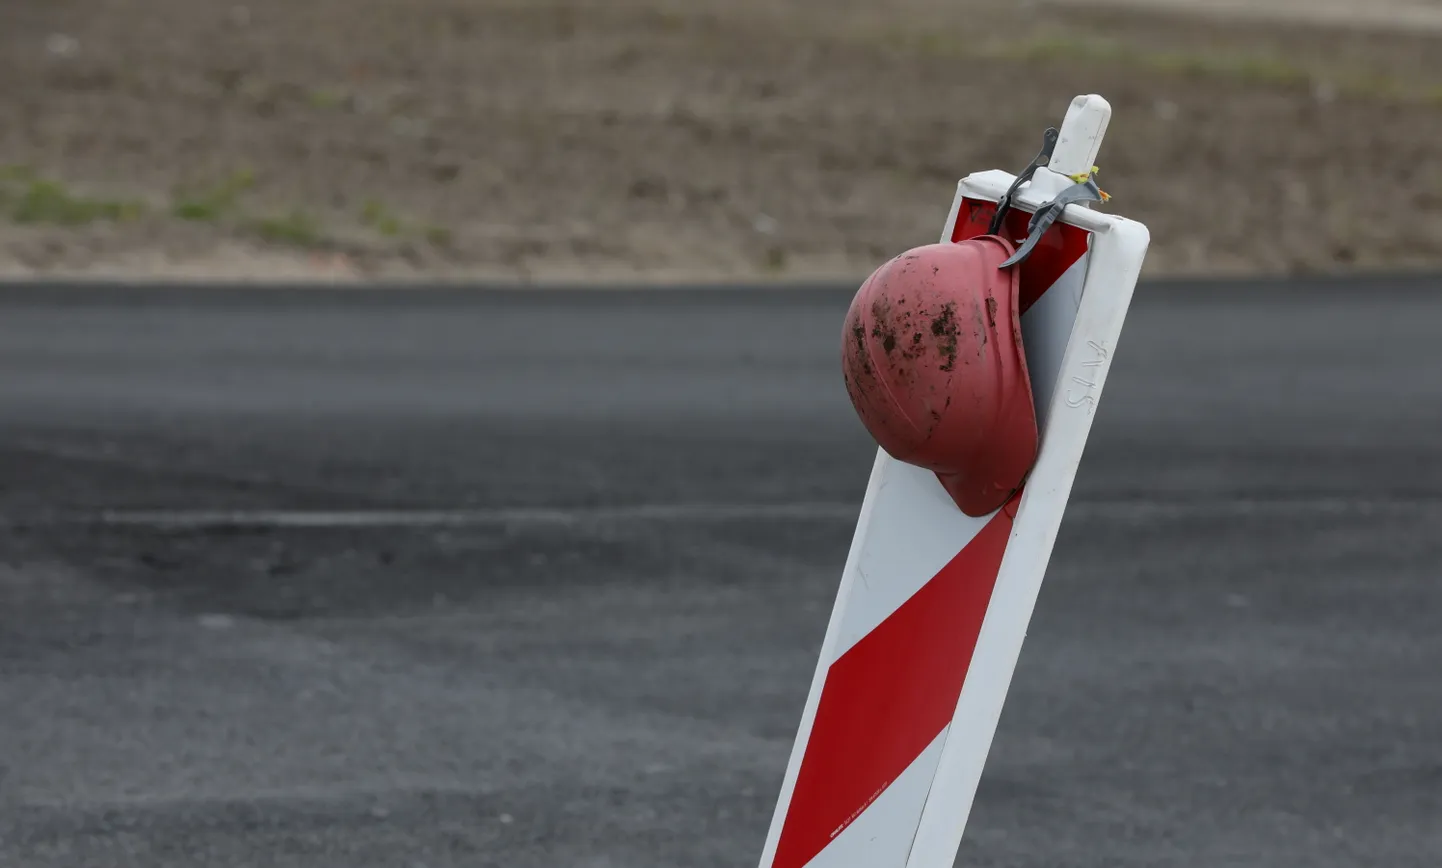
(405, 578)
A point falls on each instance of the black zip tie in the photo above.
(1084, 191)
(1003, 205)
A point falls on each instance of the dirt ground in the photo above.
(602, 140)
(1395, 15)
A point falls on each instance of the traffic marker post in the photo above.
(934, 604)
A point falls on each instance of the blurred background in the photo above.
(461, 570)
(693, 139)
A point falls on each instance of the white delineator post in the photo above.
(934, 605)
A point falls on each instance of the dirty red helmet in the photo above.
(935, 367)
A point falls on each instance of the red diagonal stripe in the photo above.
(890, 695)
(1058, 249)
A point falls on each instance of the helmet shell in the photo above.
(935, 366)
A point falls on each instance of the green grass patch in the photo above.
(1258, 69)
(295, 228)
(323, 98)
(14, 172)
(376, 216)
(438, 236)
(215, 202)
(775, 259)
(30, 199)
(380, 218)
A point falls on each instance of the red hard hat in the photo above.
(934, 365)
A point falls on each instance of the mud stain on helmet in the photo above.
(945, 330)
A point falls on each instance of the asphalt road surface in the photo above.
(350, 579)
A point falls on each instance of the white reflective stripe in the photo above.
(1045, 329)
(914, 529)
